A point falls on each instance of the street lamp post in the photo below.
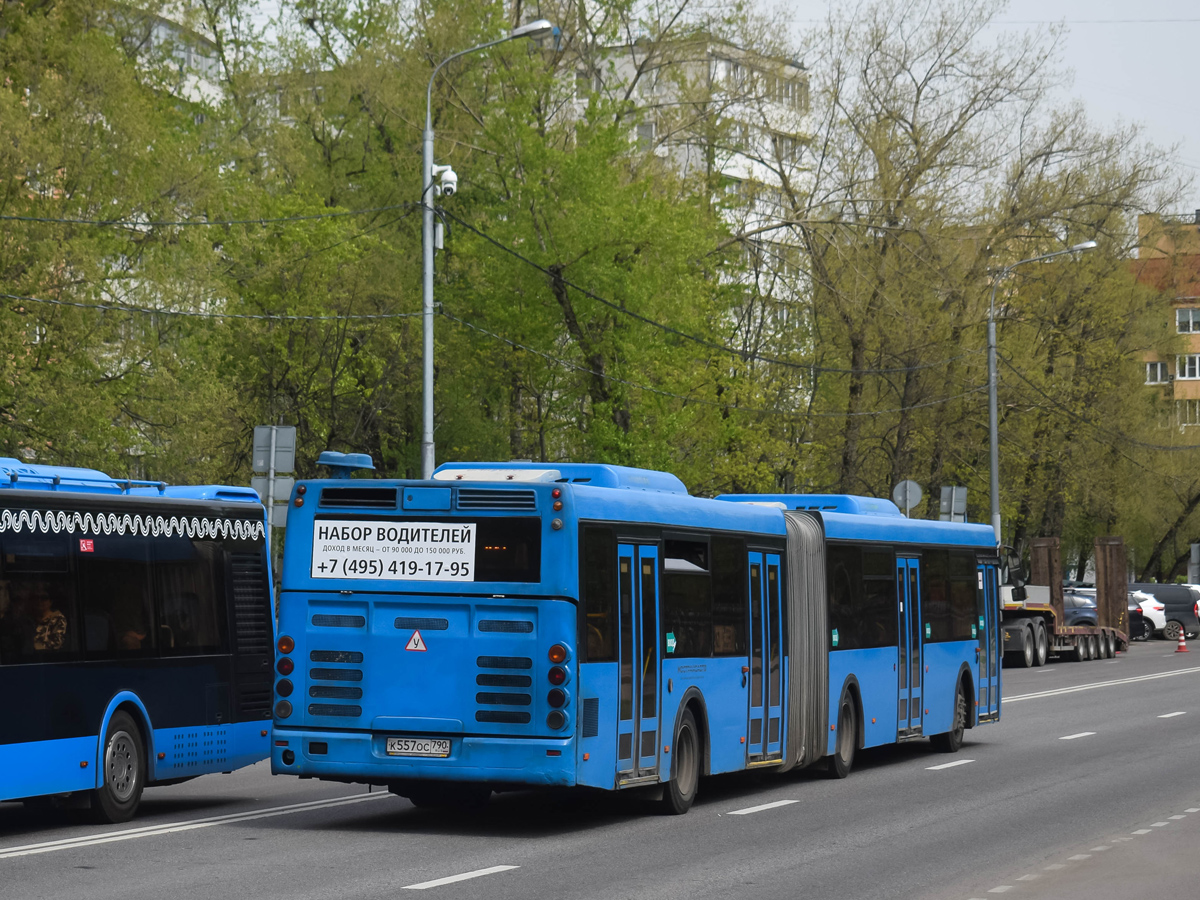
(993, 417)
(534, 29)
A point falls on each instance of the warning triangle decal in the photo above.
(416, 642)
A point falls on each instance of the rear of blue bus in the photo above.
(427, 635)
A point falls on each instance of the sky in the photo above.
(1132, 63)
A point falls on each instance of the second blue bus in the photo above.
(509, 625)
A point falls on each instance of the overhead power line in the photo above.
(134, 223)
(158, 311)
(704, 342)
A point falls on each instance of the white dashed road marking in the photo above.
(754, 809)
(1158, 824)
(1173, 715)
(1071, 737)
(949, 765)
(1099, 684)
(1176, 818)
(465, 876)
(1000, 889)
(173, 827)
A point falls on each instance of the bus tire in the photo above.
(123, 771)
(952, 740)
(1041, 643)
(680, 789)
(846, 741)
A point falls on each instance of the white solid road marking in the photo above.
(754, 809)
(173, 827)
(1173, 715)
(1071, 737)
(1099, 684)
(451, 879)
(949, 765)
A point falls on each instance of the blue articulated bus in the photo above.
(136, 636)
(509, 625)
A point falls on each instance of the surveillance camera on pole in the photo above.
(447, 180)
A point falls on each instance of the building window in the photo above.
(1187, 367)
(1187, 413)
(1187, 321)
(1156, 373)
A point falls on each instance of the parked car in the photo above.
(1152, 609)
(1080, 607)
(1140, 628)
(1180, 602)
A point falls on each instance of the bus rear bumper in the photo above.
(362, 756)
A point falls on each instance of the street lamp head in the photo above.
(1086, 245)
(535, 29)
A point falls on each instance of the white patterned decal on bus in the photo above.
(57, 521)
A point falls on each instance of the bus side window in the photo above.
(38, 619)
(687, 608)
(188, 590)
(599, 582)
(114, 582)
(729, 603)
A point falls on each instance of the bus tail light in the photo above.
(285, 666)
(557, 697)
(283, 709)
(557, 675)
(557, 720)
(286, 645)
(284, 688)
(559, 654)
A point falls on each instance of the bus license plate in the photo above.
(406, 746)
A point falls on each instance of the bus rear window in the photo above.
(509, 549)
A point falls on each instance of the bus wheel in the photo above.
(847, 741)
(952, 740)
(680, 790)
(124, 771)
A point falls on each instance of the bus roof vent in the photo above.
(483, 498)
(372, 497)
(842, 503)
(592, 474)
(343, 465)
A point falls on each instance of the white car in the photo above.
(1153, 610)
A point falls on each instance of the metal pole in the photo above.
(270, 492)
(993, 414)
(427, 193)
(427, 297)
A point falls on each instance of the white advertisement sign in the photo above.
(394, 551)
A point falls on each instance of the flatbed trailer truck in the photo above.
(1033, 620)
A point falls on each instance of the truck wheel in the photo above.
(1028, 649)
(952, 740)
(1042, 643)
(1094, 648)
(1173, 630)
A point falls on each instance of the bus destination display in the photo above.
(395, 551)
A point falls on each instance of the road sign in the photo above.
(283, 487)
(285, 448)
(953, 507)
(416, 642)
(907, 495)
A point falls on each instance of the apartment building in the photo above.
(1169, 261)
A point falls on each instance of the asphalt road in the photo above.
(1083, 790)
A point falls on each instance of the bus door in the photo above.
(908, 595)
(989, 658)
(638, 709)
(766, 658)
